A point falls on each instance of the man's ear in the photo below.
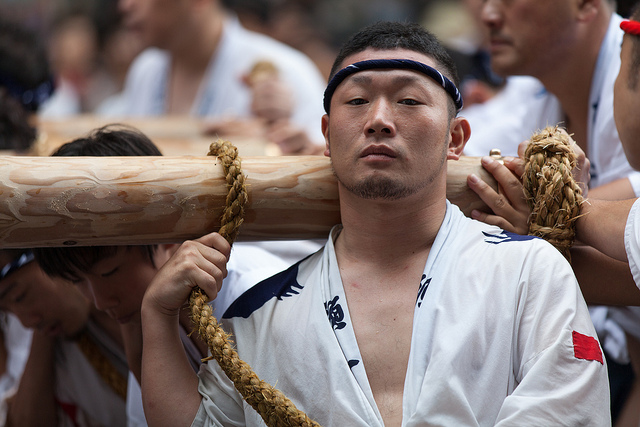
(587, 10)
(325, 132)
(460, 131)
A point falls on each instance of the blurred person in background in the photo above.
(573, 49)
(198, 61)
(25, 83)
(90, 56)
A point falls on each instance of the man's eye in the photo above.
(110, 272)
(409, 102)
(357, 101)
(20, 297)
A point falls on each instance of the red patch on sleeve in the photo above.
(586, 347)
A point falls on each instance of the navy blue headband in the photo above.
(405, 64)
(31, 99)
(14, 265)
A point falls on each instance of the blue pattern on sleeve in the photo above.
(281, 285)
(506, 236)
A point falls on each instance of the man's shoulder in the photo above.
(471, 234)
(279, 287)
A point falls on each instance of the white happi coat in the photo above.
(501, 336)
(84, 399)
(632, 241)
(223, 93)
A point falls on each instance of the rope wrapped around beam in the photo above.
(550, 189)
(272, 405)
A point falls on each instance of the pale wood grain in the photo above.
(56, 201)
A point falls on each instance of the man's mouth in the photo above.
(381, 151)
(498, 41)
(53, 330)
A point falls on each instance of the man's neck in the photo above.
(572, 79)
(191, 55)
(108, 325)
(382, 232)
(195, 47)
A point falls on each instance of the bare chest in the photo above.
(381, 310)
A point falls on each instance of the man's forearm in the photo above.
(169, 385)
(132, 338)
(620, 189)
(603, 280)
(602, 224)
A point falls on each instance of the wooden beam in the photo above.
(174, 135)
(58, 201)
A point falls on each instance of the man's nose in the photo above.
(124, 5)
(380, 120)
(491, 13)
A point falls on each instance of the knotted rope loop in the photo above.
(274, 408)
(550, 189)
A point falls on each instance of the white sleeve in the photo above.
(135, 411)
(634, 180)
(560, 372)
(221, 404)
(632, 241)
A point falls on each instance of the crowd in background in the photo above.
(90, 51)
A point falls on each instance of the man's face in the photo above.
(51, 306)
(388, 132)
(527, 37)
(626, 104)
(157, 22)
(118, 283)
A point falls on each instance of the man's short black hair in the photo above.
(110, 140)
(67, 262)
(398, 35)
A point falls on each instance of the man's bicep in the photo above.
(559, 366)
(566, 384)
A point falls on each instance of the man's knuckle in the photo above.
(500, 202)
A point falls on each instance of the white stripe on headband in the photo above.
(14, 265)
(405, 64)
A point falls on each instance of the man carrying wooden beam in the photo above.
(411, 314)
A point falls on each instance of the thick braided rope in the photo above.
(551, 192)
(274, 408)
(102, 365)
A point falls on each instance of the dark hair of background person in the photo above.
(110, 140)
(25, 83)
